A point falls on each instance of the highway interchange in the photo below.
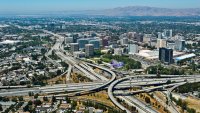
(116, 88)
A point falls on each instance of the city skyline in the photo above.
(13, 6)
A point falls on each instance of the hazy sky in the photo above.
(60, 5)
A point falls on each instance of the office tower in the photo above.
(69, 40)
(82, 42)
(165, 32)
(147, 38)
(118, 51)
(104, 42)
(138, 37)
(100, 42)
(161, 43)
(159, 35)
(171, 45)
(124, 41)
(96, 43)
(170, 33)
(89, 50)
(179, 45)
(132, 48)
(166, 55)
(74, 47)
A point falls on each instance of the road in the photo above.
(177, 80)
(115, 87)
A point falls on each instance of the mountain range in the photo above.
(141, 11)
(119, 11)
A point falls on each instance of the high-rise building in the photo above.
(96, 43)
(133, 48)
(166, 55)
(124, 41)
(165, 32)
(69, 40)
(170, 33)
(159, 35)
(118, 51)
(74, 47)
(104, 42)
(171, 45)
(147, 38)
(138, 37)
(179, 45)
(89, 50)
(161, 43)
(82, 42)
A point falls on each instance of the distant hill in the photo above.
(119, 11)
(143, 11)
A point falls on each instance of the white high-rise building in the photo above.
(170, 33)
(133, 48)
(147, 38)
(159, 35)
(171, 45)
(118, 51)
(89, 50)
(179, 45)
(161, 43)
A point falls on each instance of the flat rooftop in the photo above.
(154, 54)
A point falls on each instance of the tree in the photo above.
(30, 93)
(30, 102)
(53, 99)
(37, 102)
(191, 110)
(20, 98)
(1, 109)
(179, 102)
(14, 99)
(26, 108)
(59, 72)
(36, 96)
(184, 105)
(67, 99)
(45, 98)
(169, 82)
(74, 104)
(147, 100)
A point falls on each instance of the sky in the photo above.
(68, 5)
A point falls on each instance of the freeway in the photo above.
(70, 60)
(68, 73)
(138, 80)
(76, 64)
(141, 106)
(112, 85)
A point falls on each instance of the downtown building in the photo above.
(69, 40)
(161, 43)
(166, 55)
(89, 50)
(82, 42)
(133, 48)
(74, 47)
(96, 43)
(179, 45)
(124, 41)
